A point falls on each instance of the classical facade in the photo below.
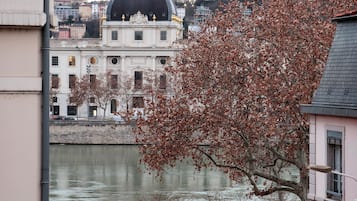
(139, 39)
(333, 119)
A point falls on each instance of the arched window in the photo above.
(93, 60)
(113, 106)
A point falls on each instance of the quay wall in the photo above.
(91, 132)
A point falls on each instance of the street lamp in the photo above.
(327, 169)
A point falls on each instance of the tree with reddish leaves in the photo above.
(239, 83)
(101, 88)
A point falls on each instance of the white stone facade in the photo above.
(126, 47)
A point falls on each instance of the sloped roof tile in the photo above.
(337, 92)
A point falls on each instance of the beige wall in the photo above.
(21, 22)
(20, 147)
(20, 58)
(21, 5)
(85, 12)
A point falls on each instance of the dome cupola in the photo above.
(159, 10)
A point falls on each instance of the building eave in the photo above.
(328, 110)
(27, 19)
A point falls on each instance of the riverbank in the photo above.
(91, 132)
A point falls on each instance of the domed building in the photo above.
(138, 39)
(164, 10)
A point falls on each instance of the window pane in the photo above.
(72, 60)
(92, 100)
(162, 82)
(163, 35)
(163, 61)
(138, 35)
(114, 60)
(56, 110)
(138, 80)
(334, 160)
(113, 106)
(92, 111)
(93, 60)
(138, 102)
(92, 79)
(55, 61)
(71, 81)
(114, 35)
(114, 81)
(71, 100)
(55, 81)
(71, 110)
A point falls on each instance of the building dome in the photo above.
(162, 9)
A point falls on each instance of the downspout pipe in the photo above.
(45, 105)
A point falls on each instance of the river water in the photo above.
(112, 173)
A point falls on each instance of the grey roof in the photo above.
(337, 93)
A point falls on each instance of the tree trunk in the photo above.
(304, 173)
(104, 111)
(304, 182)
(281, 196)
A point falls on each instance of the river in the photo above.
(113, 173)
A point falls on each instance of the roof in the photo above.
(337, 93)
(162, 9)
(349, 15)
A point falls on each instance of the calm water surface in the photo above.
(112, 173)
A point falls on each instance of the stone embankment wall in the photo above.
(90, 132)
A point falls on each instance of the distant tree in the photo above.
(70, 19)
(239, 85)
(103, 92)
(100, 89)
(146, 87)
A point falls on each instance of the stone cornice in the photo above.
(22, 18)
(20, 84)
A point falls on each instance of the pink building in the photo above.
(24, 39)
(64, 33)
(333, 118)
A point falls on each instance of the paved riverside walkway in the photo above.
(91, 132)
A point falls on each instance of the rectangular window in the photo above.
(138, 35)
(71, 110)
(54, 81)
(114, 81)
(162, 81)
(71, 81)
(92, 100)
(72, 60)
(56, 110)
(92, 111)
(138, 102)
(138, 80)
(163, 35)
(54, 99)
(54, 60)
(71, 100)
(92, 80)
(334, 160)
(114, 35)
(113, 106)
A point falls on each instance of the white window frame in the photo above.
(339, 129)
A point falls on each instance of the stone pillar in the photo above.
(20, 99)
